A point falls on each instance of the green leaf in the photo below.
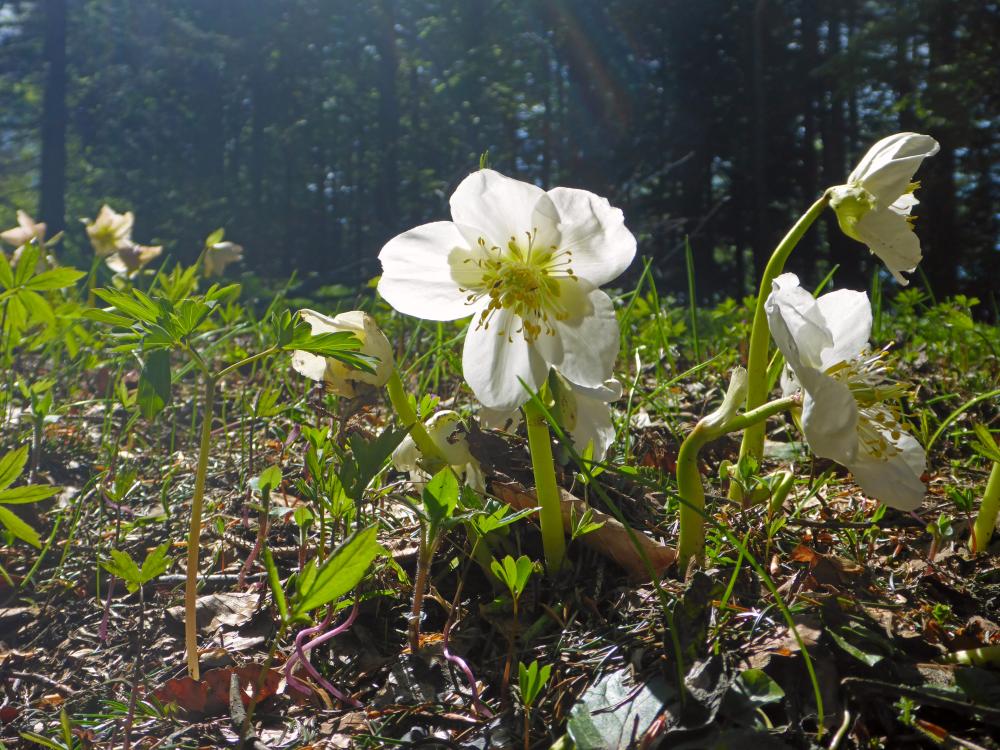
(57, 278)
(26, 264)
(11, 466)
(105, 316)
(758, 688)
(269, 479)
(274, 581)
(38, 308)
(156, 563)
(367, 459)
(19, 528)
(531, 680)
(154, 384)
(121, 565)
(341, 572)
(29, 493)
(6, 272)
(612, 713)
(215, 237)
(137, 305)
(514, 573)
(441, 496)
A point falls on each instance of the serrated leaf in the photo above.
(108, 318)
(155, 564)
(38, 308)
(11, 466)
(57, 278)
(19, 528)
(441, 496)
(341, 572)
(30, 493)
(153, 393)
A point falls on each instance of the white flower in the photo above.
(874, 206)
(848, 413)
(129, 260)
(527, 265)
(339, 378)
(447, 432)
(25, 231)
(583, 412)
(110, 231)
(220, 255)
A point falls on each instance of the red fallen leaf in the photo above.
(210, 696)
(9, 714)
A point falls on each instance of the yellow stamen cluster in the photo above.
(877, 397)
(523, 281)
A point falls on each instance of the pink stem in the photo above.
(301, 655)
(459, 662)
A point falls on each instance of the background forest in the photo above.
(314, 130)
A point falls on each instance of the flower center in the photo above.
(877, 397)
(524, 279)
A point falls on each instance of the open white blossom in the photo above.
(874, 206)
(339, 377)
(25, 231)
(848, 410)
(129, 260)
(447, 432)
(220, 255)
(110, 231)
(527, 265)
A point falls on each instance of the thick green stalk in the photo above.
(401, 403)
(194, 531)
(986, 519)
(760, 334)
(691, 543)
(546, 489)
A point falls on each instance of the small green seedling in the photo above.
(531, 679)
(11, 466)
(515, 574)
(121, 565)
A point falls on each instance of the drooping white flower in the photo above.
(220, 255)
(129, 260)
(526, 264)
(339, 378)
(25, 231)
(585, 413)
(110, 231)
(848, 411)
(874, 206)
(447, 432)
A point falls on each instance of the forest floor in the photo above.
(699, 659)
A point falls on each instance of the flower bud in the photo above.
(339, 377)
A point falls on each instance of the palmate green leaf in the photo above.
(531, 679)
(37, 307)
(514, 573)
(6, 272)
(26, 264)
(121, 565)
(31, 493)
(987, 445)
(343, 346)
(136, 305)
(11, 466)
(341, 572)
(155, 564)
(19, 528)
(107, 317)
(57, 278)
(367, 459)
(153, 393)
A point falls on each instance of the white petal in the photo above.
(584, 348)
(311, 365)
(505, 421)
(500, 207)
(594, 426)
(888, 167)
(594, 232)
(889, 235)
(895, 482)
(796, 323)
(829, 417)
(848, 316)
(495, 357)
(417, 274)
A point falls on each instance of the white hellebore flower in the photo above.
(527, 265)
(874, 206)
(25, 231)
(339, 378)
(447, 432)
(110, 231)
(220, 255)
(129, 260)
(847, 411)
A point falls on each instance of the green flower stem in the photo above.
(546, 489)
(243, 362)
(760, 335)
(986, 519)
(689, 487)
(194, 532)
(401, 403)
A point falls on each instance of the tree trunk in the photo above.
(53, 125)
(387, 200)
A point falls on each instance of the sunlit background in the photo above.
(314, 130)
